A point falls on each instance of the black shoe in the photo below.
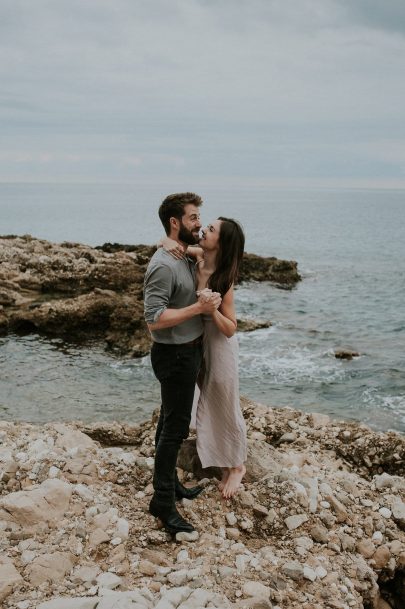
(182, 492)
(172, 521)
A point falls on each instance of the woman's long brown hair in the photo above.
(229, 256)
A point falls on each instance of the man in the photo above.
(172, 313)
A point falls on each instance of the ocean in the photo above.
(349, 245)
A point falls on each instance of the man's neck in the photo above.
(176, 238)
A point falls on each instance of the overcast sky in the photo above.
(127, 90)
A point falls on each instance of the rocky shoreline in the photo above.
(77, 292)
(319, 524)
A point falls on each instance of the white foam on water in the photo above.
(390, 408)
(289, 364)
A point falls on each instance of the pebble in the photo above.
(255, 589)
(182, 556)
(293, 522)
(309, 573)
(321, 573)
(385, 512)
(184, 536)
(108, 580)
(231, 519)
(293, 569)
(232, 533)
(381, 557)
(377, 537)
(398, 512)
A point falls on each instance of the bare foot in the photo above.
(233, 482)
(224, 479)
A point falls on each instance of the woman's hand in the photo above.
(210, 301)
(172, 247)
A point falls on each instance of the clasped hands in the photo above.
(209, 300)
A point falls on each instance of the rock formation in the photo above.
(77, 292)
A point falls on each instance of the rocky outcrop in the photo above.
(249, 325)
(348, 354)
(78, 293)
(314, 526)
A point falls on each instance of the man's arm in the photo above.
(173, 317)
(159, 284)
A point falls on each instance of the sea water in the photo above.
(349, 245)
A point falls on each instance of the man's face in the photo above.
(190, 225)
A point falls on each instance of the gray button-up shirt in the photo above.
(170, 284)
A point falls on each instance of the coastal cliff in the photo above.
(318, 524)
(78, 292)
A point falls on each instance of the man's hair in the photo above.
(173, 207)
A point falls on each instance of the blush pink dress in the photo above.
(218, 419)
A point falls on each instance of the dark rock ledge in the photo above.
(77, 292)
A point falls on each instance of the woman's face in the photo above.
(210, 236)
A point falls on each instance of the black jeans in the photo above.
(176, 367)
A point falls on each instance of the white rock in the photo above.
(173, 597)
(256, 589)
(304, 542)
(398, 512)
(116, 541)
(122, 528)
(178, 578)
(241, 560)
(28, 556)
(9, 577)
(91, 512)
(387, 481)
(293, 569)
(53, 472)
(385, 512)
(246, 524)
(64, 602)
(184, 536)
(231, 519)
(108, 580)
(84, 492)
(71, 439)
(130, 599)
(182, 556)
(293, 522)
(321, 572)
(309, 573)
(225, 571)
(312, 485)
(377, 537)
(45, 503)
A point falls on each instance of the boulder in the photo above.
(10, 578)
(46, 503)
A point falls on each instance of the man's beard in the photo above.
(187, 236)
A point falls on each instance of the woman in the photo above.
(221, 430)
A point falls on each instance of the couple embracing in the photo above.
(189, 309)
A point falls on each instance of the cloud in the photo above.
(224, 87)
(376, 14)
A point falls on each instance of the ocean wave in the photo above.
(292, 364)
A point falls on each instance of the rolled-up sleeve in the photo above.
(158, 287)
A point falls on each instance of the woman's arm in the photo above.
(177, 250)
(225, 317)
